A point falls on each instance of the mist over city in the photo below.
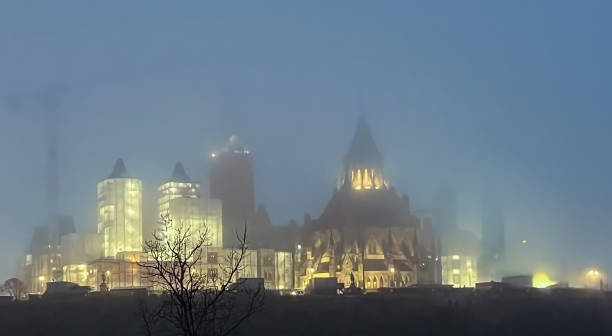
(387, 149)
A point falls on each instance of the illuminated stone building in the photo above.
(180, 199)
(366, 231)
(120, 212)
(43, 262)
(231, 181)
(283, 275)
(459, 271)
(124, 271)
(276, 268)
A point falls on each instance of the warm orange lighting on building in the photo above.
(541, 280)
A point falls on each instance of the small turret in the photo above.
(119, 170)
(179, 174)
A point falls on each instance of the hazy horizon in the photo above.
(466, 95)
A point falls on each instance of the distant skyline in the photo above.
(468, 95)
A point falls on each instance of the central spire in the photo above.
(363, 162)
(363, 151)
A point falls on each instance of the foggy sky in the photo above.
(465, 94)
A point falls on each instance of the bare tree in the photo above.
(14, 287)
(194, 300)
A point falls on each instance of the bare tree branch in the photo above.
(196, 299)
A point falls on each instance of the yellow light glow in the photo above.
(541, 280)
(455, 257)
(41, 278)
(392, 269)
(524, 241)
(593, 273)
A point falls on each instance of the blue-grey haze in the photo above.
(514, 94)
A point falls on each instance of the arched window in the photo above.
(375, 282)
(369, 283)
(382, 282)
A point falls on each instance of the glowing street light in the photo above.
(524, 241)
(42, 282)
(593, 277)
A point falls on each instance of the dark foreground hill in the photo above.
(317, 315)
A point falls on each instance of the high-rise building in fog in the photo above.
(43, 259)
(180, 199)
(493, 233)
(445, 210)
(231, 181)
(178, 186)
(120, 212)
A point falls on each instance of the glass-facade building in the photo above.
(120, 212)
(180, 199)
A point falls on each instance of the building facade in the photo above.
(180, 199)
(367, 233)
(124, 270)
(231, 181)
(120, 212)
(459, 271)
(44, 260)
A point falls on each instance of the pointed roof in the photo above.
(179, 174)
(261, 216)
(363, 149)
(119, 170)
(40, 239)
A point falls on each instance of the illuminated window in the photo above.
(212, 272)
